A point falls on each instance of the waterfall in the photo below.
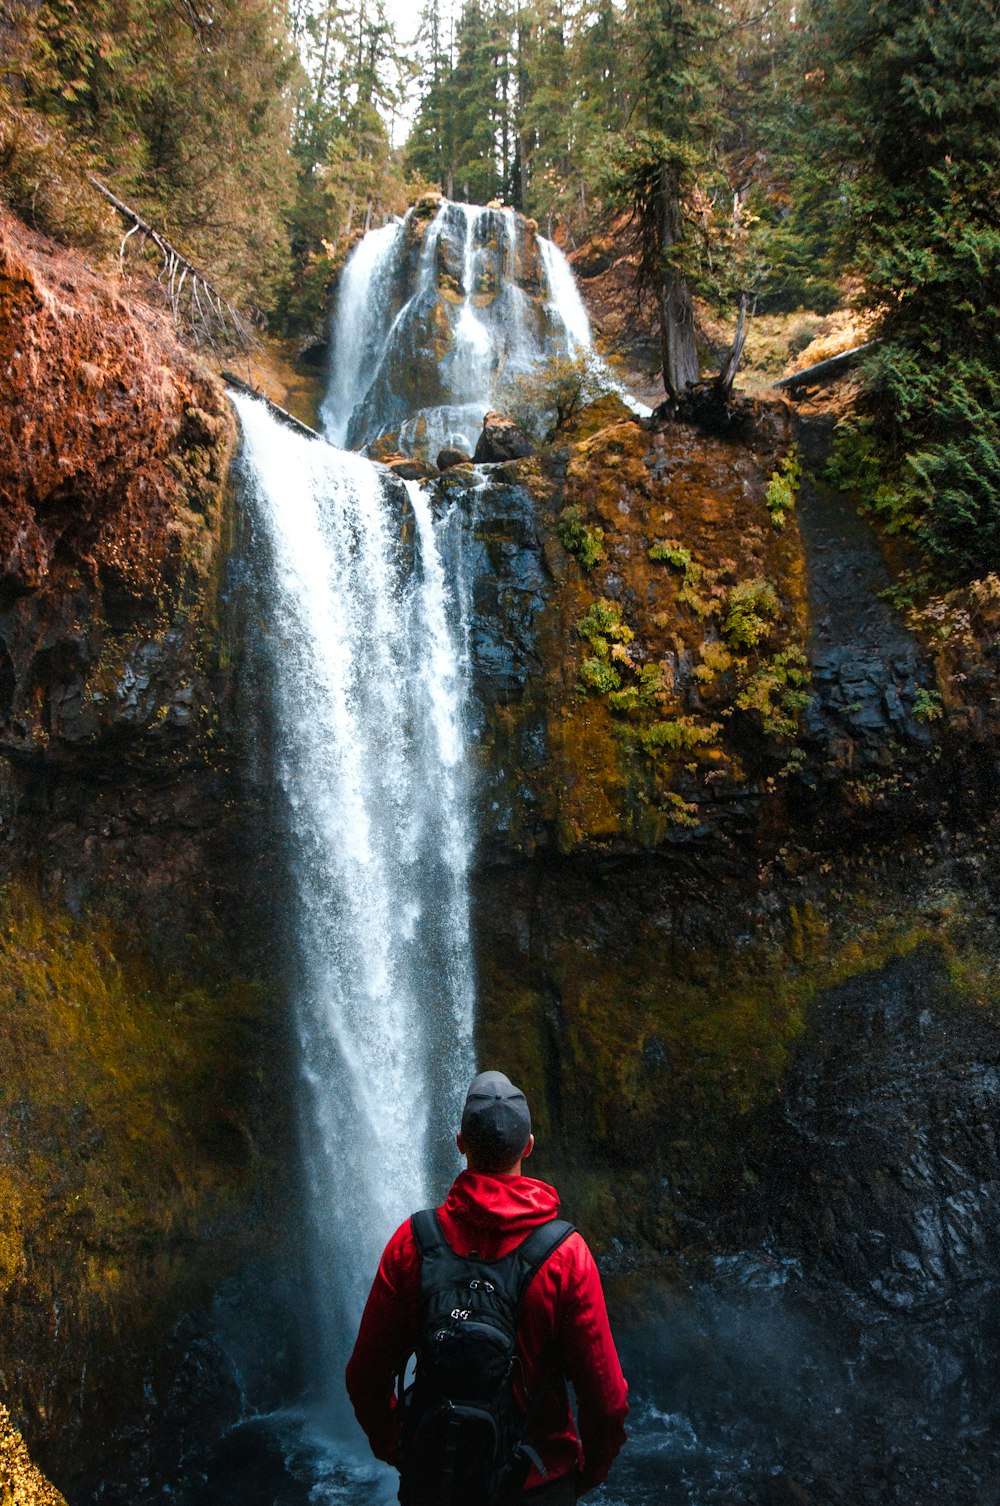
(435, 316)
(367, 658)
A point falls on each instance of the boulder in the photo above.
(409, 468)
(501, 439)
(449, 457)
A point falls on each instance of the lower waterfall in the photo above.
(366, 644)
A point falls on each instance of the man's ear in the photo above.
(460, 1142)
(526, 1152)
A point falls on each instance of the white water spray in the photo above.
(369, 684)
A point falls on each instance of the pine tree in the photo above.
(910, 101)
(185, 109)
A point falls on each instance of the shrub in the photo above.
(779, 692)
(543, 401)
(598, 675)
(783, 487)
(753, 605)
(602, 623)
(671, 553)
(585, 543)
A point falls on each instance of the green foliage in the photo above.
(585, 543)
(681, 734)
(752, 607)
(779, 691)
(545, 400)
(671, 553)
(608, 635)
(715, 660)
(186, 112)
(912, 116)
(602, 624)
(598, 675)
(42, 180)
(928, 706)
(644, 692)
(782, 489)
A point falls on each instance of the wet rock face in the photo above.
(115, 711)
(889, 1173)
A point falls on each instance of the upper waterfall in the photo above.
(434, 314)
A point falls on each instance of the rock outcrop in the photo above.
(500, 440)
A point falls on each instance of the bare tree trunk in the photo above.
(680, 356)
(734, 355)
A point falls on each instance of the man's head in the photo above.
(496, 1126)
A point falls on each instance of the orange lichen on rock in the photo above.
(113, 439)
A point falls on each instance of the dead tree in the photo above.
(195, 302)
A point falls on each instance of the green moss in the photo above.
(137, 1086)
(664, 1048)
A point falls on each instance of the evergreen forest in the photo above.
(746, 155)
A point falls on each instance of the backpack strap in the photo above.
(426, 1229)
(534, 1251)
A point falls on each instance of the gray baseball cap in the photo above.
(496, 1123)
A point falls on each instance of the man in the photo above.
(563, 1330)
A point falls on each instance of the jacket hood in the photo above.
(508, 1206)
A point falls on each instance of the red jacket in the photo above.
(563, 1307)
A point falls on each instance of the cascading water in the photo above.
(434, 315)
(369, 682)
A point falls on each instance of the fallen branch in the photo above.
(825, 371)
(213, 326)
(282, 414)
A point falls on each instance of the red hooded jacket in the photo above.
(563, 1312)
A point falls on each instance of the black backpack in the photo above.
(464, 1441)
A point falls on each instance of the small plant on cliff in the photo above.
(671, 553)
(602, 626)
(715, 660)
(681, 734)
(600, 676)
(646, 692)
(928, 706)
(782, 489)
(585, 543)
(752, 607)
(779, 692)
(608, 635)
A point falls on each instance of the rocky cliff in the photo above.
(136, 1118)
